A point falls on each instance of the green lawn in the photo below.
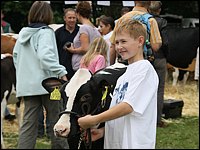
(181, 133)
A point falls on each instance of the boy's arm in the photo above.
(117, 111)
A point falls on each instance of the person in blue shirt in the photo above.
(35, 58)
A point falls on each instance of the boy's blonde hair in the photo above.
(133, 27)
(98, 46)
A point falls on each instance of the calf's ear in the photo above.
(105, 87)
(51, 83)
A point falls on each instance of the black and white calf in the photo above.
(85, 94)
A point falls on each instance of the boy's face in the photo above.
(127, 47)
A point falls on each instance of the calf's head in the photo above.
(68, 92)
(85, 94)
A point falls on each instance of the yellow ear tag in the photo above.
(103, 99)
(55, 95)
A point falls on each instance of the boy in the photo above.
(131, 119)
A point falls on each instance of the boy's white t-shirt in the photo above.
(137, 130)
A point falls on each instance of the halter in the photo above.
(85, 107)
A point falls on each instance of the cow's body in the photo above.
(8, 82)
(88, 100)
(8, 42)
(8, 78)
(183, 44)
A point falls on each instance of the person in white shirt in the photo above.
(130, 122)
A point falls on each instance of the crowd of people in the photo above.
(132, 119)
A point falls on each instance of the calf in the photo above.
(85, 94)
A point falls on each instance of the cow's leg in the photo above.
(3, 108)
(175, 76)
(12, 98)
(186, 75)
(183, 76)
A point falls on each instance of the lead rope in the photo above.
(88, 145)
(81, 138)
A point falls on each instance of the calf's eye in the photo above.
(85, 97)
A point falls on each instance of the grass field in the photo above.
(180, 133)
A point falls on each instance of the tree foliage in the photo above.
(16, 13)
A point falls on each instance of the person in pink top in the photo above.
(96, 56)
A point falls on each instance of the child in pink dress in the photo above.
(96, 56)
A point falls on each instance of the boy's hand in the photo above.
(86, 121)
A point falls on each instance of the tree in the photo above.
(16, 13)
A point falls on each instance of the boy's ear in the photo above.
(141, 40)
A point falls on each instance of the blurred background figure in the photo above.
(96, 57)
(106, 26)
(5, 26)
(160, 62)
(87, 33)
(124, 10)
(64, 34)
(36, 51)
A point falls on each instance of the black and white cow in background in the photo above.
(183, 44)
(8, 93)
(85, 94)
(8, 79)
